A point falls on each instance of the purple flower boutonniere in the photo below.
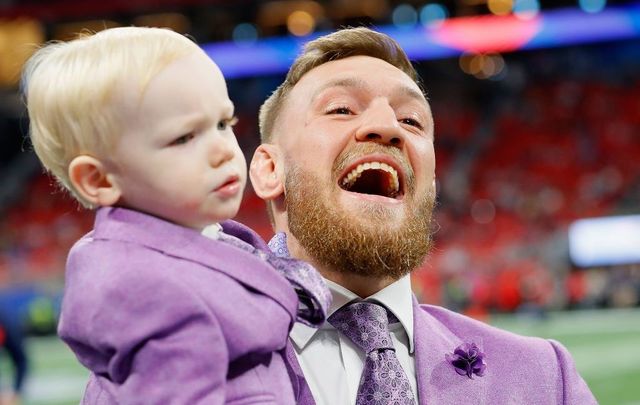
(467, 360)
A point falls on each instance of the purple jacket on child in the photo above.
(163, 315)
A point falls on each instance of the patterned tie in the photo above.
(314, 296)
(383, 380)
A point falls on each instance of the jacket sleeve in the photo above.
(148, 340)
(575, 390)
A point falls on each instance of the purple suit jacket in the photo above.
(520, 370)
(163, 315)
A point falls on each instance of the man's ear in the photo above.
(93, 182)
(265, 172)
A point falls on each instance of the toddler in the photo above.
(137, 123)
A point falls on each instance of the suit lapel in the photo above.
(188, 244)
(422, 353)
(301, 389)
(437, 381)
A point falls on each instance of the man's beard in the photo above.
(369, 244)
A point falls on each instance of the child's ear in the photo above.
(264, 172)
(93, 182)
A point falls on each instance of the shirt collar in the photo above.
(397, 297)
(212, 231)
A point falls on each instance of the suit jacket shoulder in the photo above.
(519, 369)
(164, 314)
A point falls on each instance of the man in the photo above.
(12, 337)
(347, 166)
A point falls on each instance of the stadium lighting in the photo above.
(500, 7)
(404, 16)
(455, 36)
(245, 34)
(432, 15)
(592, 6)
(605, 241)
(526, 9)
(301, 23)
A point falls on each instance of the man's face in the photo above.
(178, 157)
(357, 139)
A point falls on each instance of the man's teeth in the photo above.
(394, 183)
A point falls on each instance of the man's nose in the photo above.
(380, 124)
(220, 150)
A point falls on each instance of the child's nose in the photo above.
(221, 151)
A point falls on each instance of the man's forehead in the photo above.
(357, 83)
(355, 72)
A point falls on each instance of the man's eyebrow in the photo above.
(412, 93)
(357, 83)
(340, 82)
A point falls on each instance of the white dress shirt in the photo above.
(212, 231)
(332, 364)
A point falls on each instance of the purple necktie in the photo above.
(383, 380)
(313, 295)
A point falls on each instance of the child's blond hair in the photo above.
(69, 87)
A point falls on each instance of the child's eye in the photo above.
(182, 140)
(340, 111)
(226, 123)
(411, 122)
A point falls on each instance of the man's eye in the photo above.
(340, 111)
(411, 122)
(181, 140)
(226, 123)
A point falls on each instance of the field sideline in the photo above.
(605, 345)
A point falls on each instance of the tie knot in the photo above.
(366, 324)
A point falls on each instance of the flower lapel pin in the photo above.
(467, 359)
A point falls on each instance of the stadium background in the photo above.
(537, 125)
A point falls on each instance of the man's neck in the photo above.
(363, 286)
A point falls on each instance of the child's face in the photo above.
(178, 157)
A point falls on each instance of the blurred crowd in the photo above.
(563, 150)
(514, 170)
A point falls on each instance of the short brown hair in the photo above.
(337, 45)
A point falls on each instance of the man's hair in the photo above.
(69, 88)
(338, 45)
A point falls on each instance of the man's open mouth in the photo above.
(376, 178)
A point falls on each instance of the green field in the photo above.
(604, 344)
